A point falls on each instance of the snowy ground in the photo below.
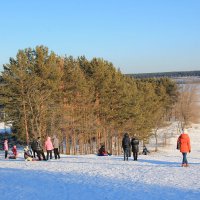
(152, 177)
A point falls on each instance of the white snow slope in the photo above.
(155, 176)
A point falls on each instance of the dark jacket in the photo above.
(126, 142)
(38, 146)
(145, 150)
(135, 145)
(34, 145)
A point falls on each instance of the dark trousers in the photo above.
(129, 153)
(56, 153)
(126, 153)
(135, 155)
(144, 152)
(6, 154)
(184, 158)
(34, 152)
(49, 152)
(39, 153)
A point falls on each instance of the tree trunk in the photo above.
(67, 144)
(25, 123)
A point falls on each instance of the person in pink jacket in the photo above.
(6, 148)
(49, 147)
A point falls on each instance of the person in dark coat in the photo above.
(33, 147)
(39, 149)
(126, 145)
(135, 147)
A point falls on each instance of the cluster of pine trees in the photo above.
(85, 103)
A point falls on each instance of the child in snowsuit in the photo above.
(27, 154)
(102, 151)
(145, 150)
(14, 150)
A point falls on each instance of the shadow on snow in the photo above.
(35, 185)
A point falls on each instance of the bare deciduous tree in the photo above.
(188, 105)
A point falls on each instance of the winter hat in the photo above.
(26, 148)
(126, 134)
(185, 131)
(54, 137)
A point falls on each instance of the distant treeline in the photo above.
(166, 74)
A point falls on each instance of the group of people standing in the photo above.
(50, 146)
(183, 144)
(128, 144)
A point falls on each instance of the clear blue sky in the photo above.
(137, 36)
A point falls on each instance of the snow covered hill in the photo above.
(155, 176)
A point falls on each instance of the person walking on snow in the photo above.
(6, 148)
(185, 147)
(56, 147)
(126, 145)
(49, 147)
(135, 147)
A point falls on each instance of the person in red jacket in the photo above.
(14, 150)
(185, 147)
